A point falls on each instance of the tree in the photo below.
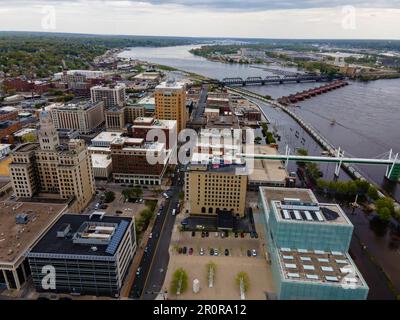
(109, 196)
(385, 208)
(242, 279)
(126, 193)
(179, 283)
(137, 191)
(29, 137)
(372, 192)
(384, 213)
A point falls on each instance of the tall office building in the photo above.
(112, 96)
(170, 98)
(216, 178)
(307, 245)
(51, 168)
(83, 116)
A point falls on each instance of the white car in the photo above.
(151, 235)
(216, 253)
(254, 252)
(165, 195)
(201, 252)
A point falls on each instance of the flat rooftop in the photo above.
(267, 170)
(76, 234)
(101, 161)
(106, 136)
(171, 85)
(15, 238)
(301, 206)
(316, 266)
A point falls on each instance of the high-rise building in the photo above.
(91, 254)
(307, 246)
(115, 118)
(83, 117)
(112, 96)
(130, 161)
(170, 98)
(49, 167)
(216, 178)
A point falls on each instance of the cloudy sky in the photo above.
(219, 18)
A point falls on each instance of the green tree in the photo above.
(179, 283)
(243, 277)
(385, 202)
(384, 213)
(29, 137)
(109, 196)
(372, 192)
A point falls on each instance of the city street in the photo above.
(154, 263)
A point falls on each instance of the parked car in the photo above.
(211, 252)
(156, 235)
(203, 234)
(256, 235)
(254, 252)
(184, 251)
(226, 252)
(201, 252)
(216, 234)
(151, 235)
(146, 249)
(190, 251)
(248, 253)
(242, 235)
(180, 250)
(138, 271)
(226, 234)
(236, 235)
(252, 235)
(118, 212)
(222, 235)
(216, 252)
(207, 234)
(193, 233)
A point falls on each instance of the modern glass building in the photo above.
(90, 255)
(307, 244)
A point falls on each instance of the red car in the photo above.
(191, 251)
(242, 235)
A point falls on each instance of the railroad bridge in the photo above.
(275, 79)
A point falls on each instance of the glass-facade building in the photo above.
(307, 244)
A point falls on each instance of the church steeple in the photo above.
(48, 137)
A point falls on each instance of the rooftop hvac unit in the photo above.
(21, 218)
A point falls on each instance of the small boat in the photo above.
(333, 122)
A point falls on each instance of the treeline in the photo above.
(41, 55)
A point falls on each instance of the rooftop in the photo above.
(266, 170)
(101, 160)
(106, 136)
(334, 268)
(171, 85)
(300, 206)
(73, 234)
(15, 238)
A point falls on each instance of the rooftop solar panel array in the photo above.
(117, 237)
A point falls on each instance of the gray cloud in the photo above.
(241, 5)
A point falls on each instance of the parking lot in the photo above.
(202, 246)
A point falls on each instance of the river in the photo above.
(367, 114)
(367, 125)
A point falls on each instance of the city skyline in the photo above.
(258, 19)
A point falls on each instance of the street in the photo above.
(155, 262)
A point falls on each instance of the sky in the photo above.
(302, 19)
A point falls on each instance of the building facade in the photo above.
(307, 246)
(85, 117)
(170, 99)
(112, 96)
(130, 161)
(91, 255)
(49, 167)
